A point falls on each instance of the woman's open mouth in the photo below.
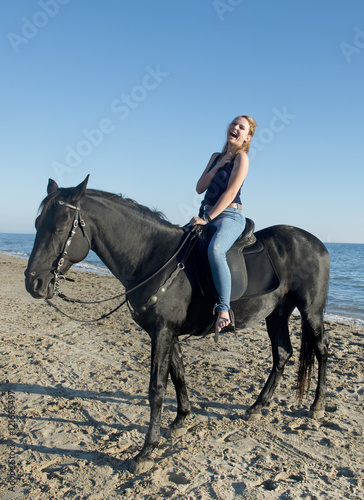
(233, 134)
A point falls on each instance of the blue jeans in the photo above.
(230, 224)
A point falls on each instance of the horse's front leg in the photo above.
(162, 348)
(178, 378)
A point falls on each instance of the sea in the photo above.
(346, 287)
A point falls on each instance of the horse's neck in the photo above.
(130, 244)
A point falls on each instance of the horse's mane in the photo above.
(145, 211)
(122, 200)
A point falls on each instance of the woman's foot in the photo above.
(223, 321)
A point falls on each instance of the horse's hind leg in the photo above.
(277, 326)
(178, 378)
(314, 341)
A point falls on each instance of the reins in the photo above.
(103, 316)
(192, 237)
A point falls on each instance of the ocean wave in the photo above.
(85, 265)
(337, 318)
(15, 254)
(93, 268)
(344, 319)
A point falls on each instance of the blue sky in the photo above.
(138, 94)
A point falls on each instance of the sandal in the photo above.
(230, 327)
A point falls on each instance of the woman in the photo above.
(222, 180)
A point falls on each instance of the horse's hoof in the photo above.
(176, 432)
(316, 414)
(140, 466)
(178, 427)
(252, 415)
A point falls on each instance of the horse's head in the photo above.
(59, 242)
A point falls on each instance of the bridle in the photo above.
(77, 221)
(191, 238)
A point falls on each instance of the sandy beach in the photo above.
(74, 408)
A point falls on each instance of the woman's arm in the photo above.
(237, 177)
(207, 176)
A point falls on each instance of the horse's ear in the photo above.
(81, 188)
(52, 186)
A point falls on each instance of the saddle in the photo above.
(252, 272)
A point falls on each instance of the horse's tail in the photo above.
(307, 359)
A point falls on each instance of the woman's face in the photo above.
(238, 132)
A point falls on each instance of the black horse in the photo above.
(144, 252)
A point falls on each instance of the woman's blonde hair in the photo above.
(246, 146)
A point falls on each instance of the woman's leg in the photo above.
(229, 226)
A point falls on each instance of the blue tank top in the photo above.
(219, 184)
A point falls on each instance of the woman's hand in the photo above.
(197, 220)
(209, 173)
(224, 160)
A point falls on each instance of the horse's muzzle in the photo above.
(38, 287)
